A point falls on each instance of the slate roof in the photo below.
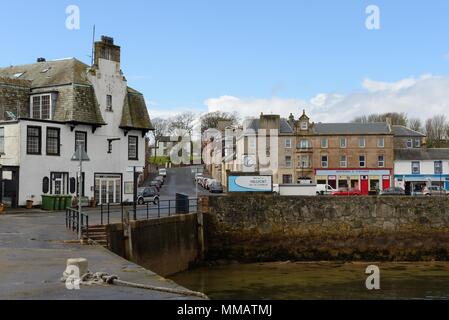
(135, 113)
(401, 131)
(351, 128)
(285, 128)
(50, 73)
(421, 154)
(76, 100)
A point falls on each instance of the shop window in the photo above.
(287, 179)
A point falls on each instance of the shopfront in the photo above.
(363, 180)
(415, 184)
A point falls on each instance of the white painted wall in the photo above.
(12, 145)
(427, 167)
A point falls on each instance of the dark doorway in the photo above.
(9, 194)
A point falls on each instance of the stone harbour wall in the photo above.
(250, 228)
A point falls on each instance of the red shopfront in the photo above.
(363, 180)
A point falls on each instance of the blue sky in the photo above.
(243, 54)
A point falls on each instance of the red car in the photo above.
(347, 192)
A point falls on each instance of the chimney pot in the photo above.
(107, 39)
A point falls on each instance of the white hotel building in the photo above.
(49, 107)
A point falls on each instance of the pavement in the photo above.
(35, 245)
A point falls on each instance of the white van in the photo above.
(324, 189)
(163, 172)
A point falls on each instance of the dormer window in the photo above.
(109, 103)
(304, 125)
(41, 107)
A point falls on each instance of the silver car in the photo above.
(435, 191)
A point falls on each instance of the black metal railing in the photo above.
(163, 208)
(74, 222)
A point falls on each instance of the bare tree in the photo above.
(437, 130)
(182, 123)
(415, 124)
(161, 129)
(394, 117)
(212, 119)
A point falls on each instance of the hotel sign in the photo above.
(250, 184)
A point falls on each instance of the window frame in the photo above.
(85, 141)
(2, 140)
(381, 163)
(440, 172)
(379, 144)
(58, 145)
(417, 143)
(324, 161)
(364, 161)
(307, 144)
(344, 163)
(409, 143)
(288, 163)
(50, 107)
(345, 145)
(109, 103)
(418, 167)
(326, 145)
(39, 152)
(304, 125)
(136, 158)
(364, 142)
(304, 164)
(288, 143)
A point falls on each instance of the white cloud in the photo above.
(420, 97)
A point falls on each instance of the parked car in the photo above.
(161, 179)
(163, 172)
(157, 184)
(202, 182)
(347, 192)
(435, 191)
(395, 191)
(209, 182)
(198, 176)
(216, 187)
(324, 189)
(146, 195)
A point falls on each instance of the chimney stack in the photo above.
(107, 50)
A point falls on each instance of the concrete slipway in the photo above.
(34, 248)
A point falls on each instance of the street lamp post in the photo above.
(80, 155)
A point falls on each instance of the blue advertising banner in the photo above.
(250, 184)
